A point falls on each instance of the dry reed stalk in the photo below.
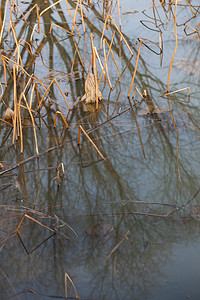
(114, 59)
(120, 22)
(72, 19)
(58, 173)
(75, 16)
(29, 51)
(54, 80)
(161, 47)
(107, 57)
(34, 220)
(19, 59)
(31, 100)
(50, 6)
(53, 24)
(6, 122)
(82, 16)
(58, 112)
(9, 61)
(33, 122)
(195, 30)
(84, 49)
(104, 28)
(37, 11)
(122, 36)
(101, 65)
(76, 51)
(154, 43)
(22, 106)
(95, 76)
(138, 129)
(3, 23)
(33, 76)
(38, 24)
(37, 93)
(20, 129)
(58, 178)
(4, 69)
(92, 46)
(24, 91)
(1, 90)
(79, 137)
(38, 17)
(15, 4)
(177, 134)
(187, 88)
(62, 166)
(15, 106)
(104, 50)
(115, 248)
(120, 27)
(69, 278)
(190, 7)
(136, 89)
(135, 69)
(154, 6)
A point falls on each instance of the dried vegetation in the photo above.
(23, 94)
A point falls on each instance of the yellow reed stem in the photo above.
(104, 50)
(107, 57)
(75, 16)
(58, 112)
(135, 69)
(72, 19)
(79, 135)
(68, 277)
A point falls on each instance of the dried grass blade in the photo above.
(104, 50)
(75, 17)
(54, 80)
(68, 277)
(56, 25)
(3, 23)
(72, 19)
(187, 88)
(15, 105)
(122, 36)
(114, 60)
(104, 28)
(135, 69)
(58, 112)
(79, 135)
(34, 220)
(107, 58)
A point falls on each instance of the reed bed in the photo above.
(25, 95)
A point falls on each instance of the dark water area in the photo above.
(126, 226)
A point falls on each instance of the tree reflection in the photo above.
(92, 188)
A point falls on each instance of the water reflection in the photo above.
(93, 194)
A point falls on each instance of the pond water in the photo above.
(126, 226)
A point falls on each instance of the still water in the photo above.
(127, 227)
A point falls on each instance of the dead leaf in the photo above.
(9, 114)
(90, 90)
